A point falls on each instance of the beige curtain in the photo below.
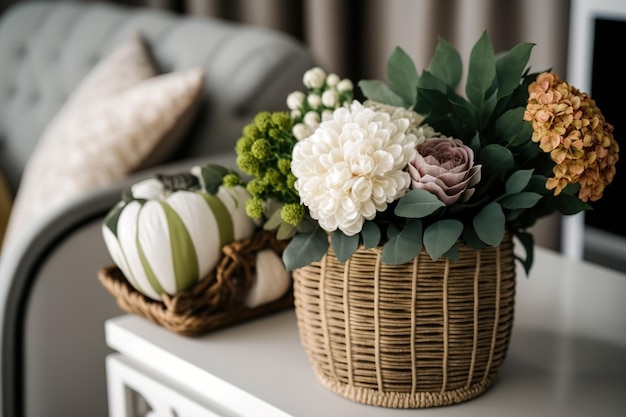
(354, 37)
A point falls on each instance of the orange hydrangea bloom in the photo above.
(568, 125)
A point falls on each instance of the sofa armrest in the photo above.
(53, 306)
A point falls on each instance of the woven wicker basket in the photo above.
(214, 302)
(422, 334)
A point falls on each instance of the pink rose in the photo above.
(445, 167)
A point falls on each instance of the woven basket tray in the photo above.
(214, 302)
(417, 335)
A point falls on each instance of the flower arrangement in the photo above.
(417, 165)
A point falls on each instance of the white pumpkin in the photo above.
(272, 280)
(164, 241)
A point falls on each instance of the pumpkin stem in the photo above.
(181, 181)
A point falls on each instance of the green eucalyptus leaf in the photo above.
(273, 221)
(521, 200)
(537, 184)
(402, 76)
(509, 124)
(435, 101)
(307, 225)
(378, 91)
(470, 237)
(475, 143)
(211, 177)
(446, 64)
(511, 66)
(304, 249)
(523, 139)
(569, 204)
(488, 107)
(452, 253)
(528, 243)
(417, 204)
(285, 231)
(489, 224)
(518, 181)
(571, 189)
(482, 71)
(429, 81)
(370, 233)
(440, 236)
(496, 160)
(405, 245)
(392, 231)
(514, 214)
(344, 245)
(467, 113)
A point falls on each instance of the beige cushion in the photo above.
(121, 118)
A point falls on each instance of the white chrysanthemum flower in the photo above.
(314, 78)
(295, 100)
(421, 132)
(353, 166)
(424, 133)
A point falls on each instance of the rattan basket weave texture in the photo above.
(214, 302)
(417, 335)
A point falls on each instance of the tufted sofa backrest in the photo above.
(47, 48)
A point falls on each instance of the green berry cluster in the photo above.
(264, 152)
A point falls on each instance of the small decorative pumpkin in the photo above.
(167, 232)
(271, 282)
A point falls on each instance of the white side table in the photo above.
(567, 358)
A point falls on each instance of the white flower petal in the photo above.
(352, 166)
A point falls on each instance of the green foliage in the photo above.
(447, 63)
(510, 68)
(402, 82)
(417, 204)
(528, 243)
(343, 245)
(211, 177)
(441, 236)
(489, 224)
(380, 92)
(481, 78)
(305, 248)
(370, 235)
(404, 245)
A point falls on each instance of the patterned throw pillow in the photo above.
(121, 118)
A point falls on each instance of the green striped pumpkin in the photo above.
(165, 241)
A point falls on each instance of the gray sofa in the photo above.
(52, 307)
